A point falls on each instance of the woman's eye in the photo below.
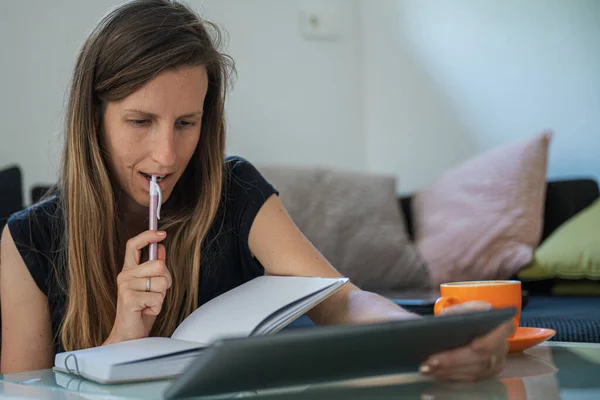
(139, 122)
(185, 124)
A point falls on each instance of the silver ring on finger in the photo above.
(148, 284)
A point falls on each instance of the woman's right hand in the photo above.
(137, 308)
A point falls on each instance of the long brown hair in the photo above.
(130, 46)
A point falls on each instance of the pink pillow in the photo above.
(483, 219)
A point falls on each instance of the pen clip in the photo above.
(156, 189)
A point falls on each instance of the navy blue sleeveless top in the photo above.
(226, 260)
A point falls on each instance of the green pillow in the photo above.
(572, 251)
(581, 287)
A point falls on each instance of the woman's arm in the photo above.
(26, 326)
(283, 250)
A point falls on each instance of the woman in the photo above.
(147, 98)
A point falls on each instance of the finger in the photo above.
(149, 312)
(148, 300)
(133, 249)
(475, 370)
(162, 255)
(478, 366)
(151, 268)
(162, 252)
(481, 370)
(469, 306)
(158, 284)
(452, 359)
(496, 340)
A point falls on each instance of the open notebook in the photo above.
(261, 306)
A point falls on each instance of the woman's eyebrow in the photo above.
(192, 114)
(145, 113)
(152, 115)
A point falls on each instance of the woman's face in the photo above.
(155, 131)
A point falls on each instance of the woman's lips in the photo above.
(163, 183)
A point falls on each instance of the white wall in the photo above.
(446, 79)
(295, 100)
(38, 45)
(410, 87)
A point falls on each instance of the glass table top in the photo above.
(549, 371)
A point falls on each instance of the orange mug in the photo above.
(497, 293)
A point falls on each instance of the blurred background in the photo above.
(406, 87)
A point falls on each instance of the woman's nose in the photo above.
(164, 152)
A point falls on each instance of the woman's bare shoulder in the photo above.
(27, 334)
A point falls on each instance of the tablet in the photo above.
(418, 302)
(329, 353)
(423, 302)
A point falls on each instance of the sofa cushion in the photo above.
(353, 219)
(572, 251)
(564, 199)
(11, 200)
(483, 218)
(575, 319)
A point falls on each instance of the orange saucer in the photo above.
(525, 338)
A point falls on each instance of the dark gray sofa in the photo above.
(11, 192)
(574, 318)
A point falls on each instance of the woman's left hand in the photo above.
(484, 357)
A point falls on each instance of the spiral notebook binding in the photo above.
(76, 371)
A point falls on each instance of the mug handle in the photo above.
(444, 302)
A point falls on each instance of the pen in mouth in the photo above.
(155, 203)
(155, 199)
(158, 177)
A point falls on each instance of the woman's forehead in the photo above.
(180, 91)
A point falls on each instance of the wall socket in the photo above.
(320, 23)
